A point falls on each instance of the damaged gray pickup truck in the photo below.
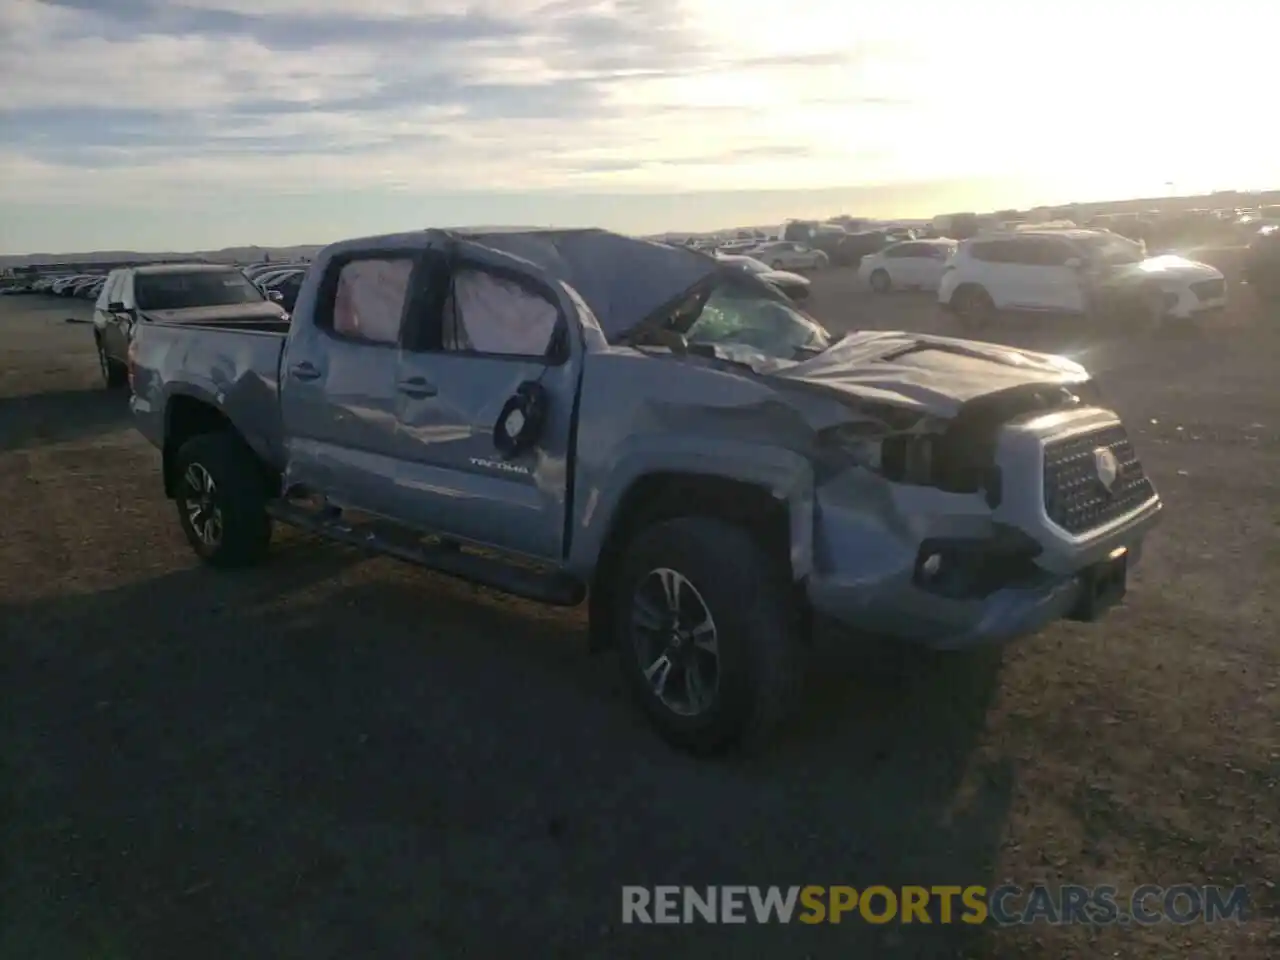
(576, 416)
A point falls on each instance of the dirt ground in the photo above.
(340, 757)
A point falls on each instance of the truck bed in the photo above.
(232, 365)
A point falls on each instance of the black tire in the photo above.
(239, 497)
(974, 307)
(115, 376)
(758, 662)
(880, 281)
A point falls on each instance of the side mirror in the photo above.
(275, 296)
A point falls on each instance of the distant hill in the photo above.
(251, 254)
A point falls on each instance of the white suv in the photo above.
(1074, 271)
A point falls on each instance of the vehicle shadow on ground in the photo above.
(210, 765)
(39, 419)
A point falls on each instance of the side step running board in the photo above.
(550, 587)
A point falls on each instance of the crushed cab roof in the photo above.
(622, 279)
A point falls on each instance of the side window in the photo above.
(1022, 252)
(368, 296)
(905, 250)
(992, 251)
(1050, 253)
(489, 314)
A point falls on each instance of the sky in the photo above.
(198, 124)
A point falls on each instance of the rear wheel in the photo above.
(222, 500)
(880, 281)
(706, 634)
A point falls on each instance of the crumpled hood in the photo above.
(266, 310)
(1168, 267)
(930, 374)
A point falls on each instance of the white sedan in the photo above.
(913, 264)
(787, 255)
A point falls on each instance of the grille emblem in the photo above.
(1107, 467)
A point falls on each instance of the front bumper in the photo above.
(870, 537)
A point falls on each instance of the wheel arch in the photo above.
(187, 416)
(664, 495)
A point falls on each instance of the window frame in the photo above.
(429, 338)
(999, 245)
(326, 294)
(132, 302)
(915, 251)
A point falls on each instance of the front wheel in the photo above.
(222, 501)
(975, 307)
(706, 633)
(880, 281)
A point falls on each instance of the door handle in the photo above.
(417, 387)
(303, 371)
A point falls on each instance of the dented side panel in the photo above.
(641, 416)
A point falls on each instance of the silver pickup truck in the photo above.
(578, 415)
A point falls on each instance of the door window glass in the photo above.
(369, 298)
(489, 314)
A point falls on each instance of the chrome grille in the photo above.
(1209, 289)
(1074, 496)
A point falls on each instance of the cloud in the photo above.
(154, 101)
(151, 98)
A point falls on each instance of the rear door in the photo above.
(1051, 284)
(932, 263)
(997, 271)
(338, 382)
(494, 328)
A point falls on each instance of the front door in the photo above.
(493, 331)
(338, 383)
(1050, 283)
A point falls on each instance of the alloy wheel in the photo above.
(200, 504)
(676, 642)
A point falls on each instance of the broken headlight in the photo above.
(902, 458)
(925, 459)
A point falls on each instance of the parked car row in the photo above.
(793, 285)
(279, 280)
(85, 286)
